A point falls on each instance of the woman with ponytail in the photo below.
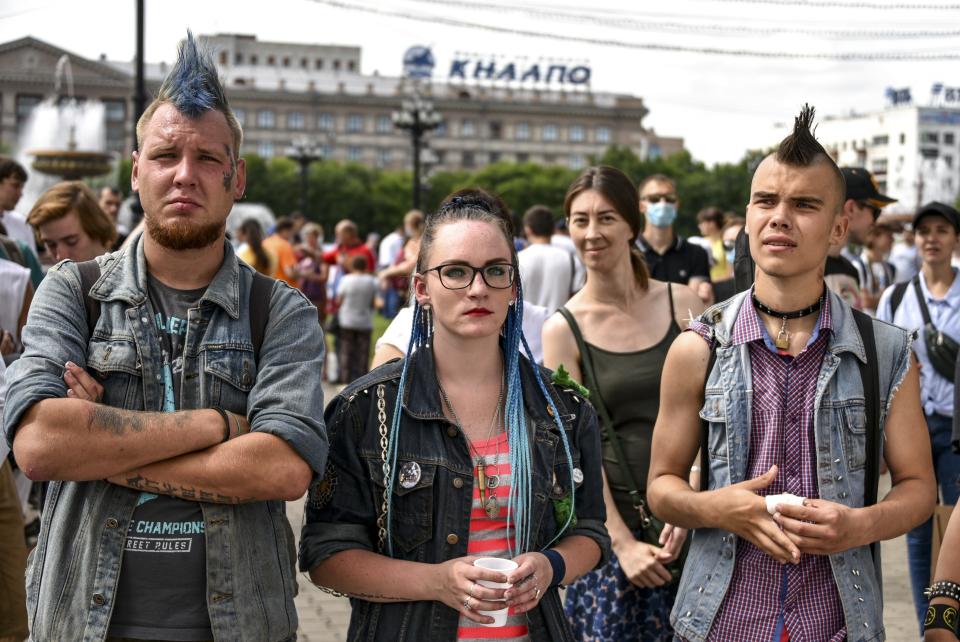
(613, 336)
(251, 249)
(463, 449)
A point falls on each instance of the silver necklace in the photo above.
(485, 482)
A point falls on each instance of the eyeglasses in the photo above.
(873, 209)
(457, 276)
(656, 198)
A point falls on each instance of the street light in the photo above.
(418, 117)
(304, 152)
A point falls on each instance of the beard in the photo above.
(184, 234)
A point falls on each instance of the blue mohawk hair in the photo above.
(193, 85)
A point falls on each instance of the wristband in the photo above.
(557, 564)
(943, 588)
(941, 616)
(226, 422)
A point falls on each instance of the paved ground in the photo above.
(323, 618)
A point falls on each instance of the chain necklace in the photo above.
(485, 481)
(783, 337)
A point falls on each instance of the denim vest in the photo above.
(74, 570)
(431, 519)
(840, 438)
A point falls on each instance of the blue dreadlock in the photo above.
(520, 499)
(192, 85)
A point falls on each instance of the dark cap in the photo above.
(936, 208)
(862, 187)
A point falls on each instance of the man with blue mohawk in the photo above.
(162, 392)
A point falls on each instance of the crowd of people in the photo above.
(687, 434)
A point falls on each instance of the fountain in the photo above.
(60, 117)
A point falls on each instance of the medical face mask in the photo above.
(662, 214)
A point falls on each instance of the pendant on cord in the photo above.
(783, 337)
(492, 507)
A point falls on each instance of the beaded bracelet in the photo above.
(944, 588)
(941, 616)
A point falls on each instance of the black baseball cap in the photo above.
(862, 187)
(935, 208)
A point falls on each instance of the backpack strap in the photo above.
(897, 296)
(89, 273)
(259, 313)
(870, 376)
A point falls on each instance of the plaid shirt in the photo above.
(763, 596)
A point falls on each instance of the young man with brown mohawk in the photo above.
(788, 396)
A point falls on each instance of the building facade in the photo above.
(286, 93)
(913, 151)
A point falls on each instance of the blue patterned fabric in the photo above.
(603, 606)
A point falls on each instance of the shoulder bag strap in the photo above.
(705, 425)
(606, 425)
(89, 273)
(922, 300)
(897, 296)
(870, 376)
(260, 290)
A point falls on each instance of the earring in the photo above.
(427, 320)
(512, 301)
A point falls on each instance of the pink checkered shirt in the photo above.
(781, 433)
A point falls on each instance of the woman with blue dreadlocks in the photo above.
(463, 449)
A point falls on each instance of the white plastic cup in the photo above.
(504, 566)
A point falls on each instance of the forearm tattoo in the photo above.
(116, 421)
(137, 481)
(376, 596)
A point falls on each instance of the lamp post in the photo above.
(304, 153)
(417, 116)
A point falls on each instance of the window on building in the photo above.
(326, 151)
(468, 128)
(948, 160)
(948, 138)
(523, 157)
(879, 165)
(241, 115)
(602, 134)
(881, 140)
(441, 129)
(550, 132)
(224, 57)
(325, 122)
(115, 113)
(266, 119)
(494, 157)
(271, 60)
(467, 160)
(304, 63)
(265, 149)
(238, 58)
(929, 153)
(549, 159)
(336, 65)
(286, 61)
(655, 151)
(253, 59)
(577, 161)
(351, 65)
(384, 124)
(384, 157)
(354, 154)
(577, 134)
(295, 120)
(318, 63)
(522, 131)
(25, 106)
(496, 130)
(903, 139)
(929, 137)
(355, 123)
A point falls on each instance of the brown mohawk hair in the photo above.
(801, 149)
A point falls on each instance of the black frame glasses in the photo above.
(482, 271)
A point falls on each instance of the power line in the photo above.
(833, 4)
(861, 56)
(674, 26)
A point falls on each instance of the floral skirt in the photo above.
(603, 606)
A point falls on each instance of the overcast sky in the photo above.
(721, 104)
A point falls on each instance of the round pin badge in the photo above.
(409, 475)
(577, 476)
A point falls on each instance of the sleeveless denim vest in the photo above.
(840, 442)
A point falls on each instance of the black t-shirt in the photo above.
(162, 590)
(681, 262)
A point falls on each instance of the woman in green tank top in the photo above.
(624, 322)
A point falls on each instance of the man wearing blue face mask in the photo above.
(669, 256)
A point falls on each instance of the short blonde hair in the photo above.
(74, 196)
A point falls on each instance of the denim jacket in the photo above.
(840, 436)
(74, 570)
(431, 520)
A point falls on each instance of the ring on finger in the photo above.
(466, 603)
(472, 587)
(536, 597)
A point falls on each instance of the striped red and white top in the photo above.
(488, 537)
